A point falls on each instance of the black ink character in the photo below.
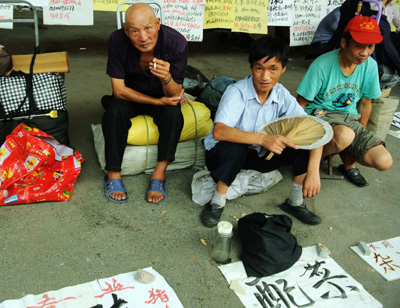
(117, 302)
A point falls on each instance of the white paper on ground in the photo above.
(394, 133)
(396, 119)
(99, 292)
(384, 257)
(310, 280)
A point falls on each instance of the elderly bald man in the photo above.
(146, 63)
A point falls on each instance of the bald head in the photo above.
(137, 10)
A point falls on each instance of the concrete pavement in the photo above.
(48, 246)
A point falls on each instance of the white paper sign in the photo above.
(186, 17)
(384, 257)
(280, 13)
(105, 293)
(38, 2)
(306, 17)
(6, 12)
(68, 12)
(332, 4)
(311, 281)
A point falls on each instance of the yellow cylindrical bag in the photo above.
(197, 124)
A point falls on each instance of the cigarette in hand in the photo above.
(155, 65)
(183, 100)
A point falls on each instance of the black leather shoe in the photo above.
(301, 213)
(354, 176)
(211, 215)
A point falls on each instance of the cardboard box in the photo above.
(54, 62)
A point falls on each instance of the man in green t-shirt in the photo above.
(334, 85)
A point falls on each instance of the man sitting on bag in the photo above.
(333, 85)
(146, 63)
(234, 143)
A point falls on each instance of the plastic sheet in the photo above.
(142, 158)
(246, 182)
(35, 167)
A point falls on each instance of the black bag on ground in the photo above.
(194, 81)
(268, 247)
(55, 127)
(212, 92)
(25, 96)
(388, 76)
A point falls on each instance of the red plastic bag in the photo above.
(35, 167)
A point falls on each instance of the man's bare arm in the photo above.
(312, 181)
(365, 108)
(120, 90)
(302, 101)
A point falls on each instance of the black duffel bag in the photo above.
(268, 247)
(55, 127)
(28, 98)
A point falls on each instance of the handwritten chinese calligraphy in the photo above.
(113, 288)
(6, 12)
(386, 262)
(270, 295)
(50, 302)
(385, 258)
(310, 282)
(68, 12)
(118, 291)
(157, 295)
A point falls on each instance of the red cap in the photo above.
(364, 30)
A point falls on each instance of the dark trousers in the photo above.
(116, 124)
(226, 159)
(396, 40)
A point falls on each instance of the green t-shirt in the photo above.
(326, 87)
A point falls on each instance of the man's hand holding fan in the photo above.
(303, 132)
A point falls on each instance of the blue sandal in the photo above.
(112, 186)
(157, 186)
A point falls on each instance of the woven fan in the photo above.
(307, 132)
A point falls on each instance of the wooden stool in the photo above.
(330, 175)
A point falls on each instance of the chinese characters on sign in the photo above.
(113, 288)
(280, 13)
(6, 12)
(50, 302)
(68, 12)
(384, 257)
(306, 17)
(105, 293)
(310, 282)
(186, 17)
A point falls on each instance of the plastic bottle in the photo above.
(222, 242)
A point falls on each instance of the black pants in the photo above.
(395, 37)
(116, 124)
(226, 159)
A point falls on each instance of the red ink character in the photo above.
(157, 295)
(112, 288)
(374, 247)
(387, 244)
(50, 302)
